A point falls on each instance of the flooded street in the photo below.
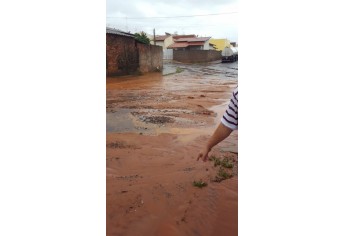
(156, 125)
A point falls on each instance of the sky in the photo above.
(219, 19)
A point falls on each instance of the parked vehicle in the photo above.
(229, 54)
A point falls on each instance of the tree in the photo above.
(142, 37)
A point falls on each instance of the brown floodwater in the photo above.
(156, 126)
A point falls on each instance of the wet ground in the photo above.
(156, 126)
(223, 70)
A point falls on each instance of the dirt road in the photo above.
(156, 126)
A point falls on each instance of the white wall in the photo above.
(207, 45)
(159, 43)
(168, 41)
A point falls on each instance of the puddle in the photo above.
(153, 104)
(212, 69)
(120, 121)
(220, 109)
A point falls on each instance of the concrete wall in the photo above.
(125, 56)
(195, 56)
(150, 58)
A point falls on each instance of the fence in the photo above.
(195, 56)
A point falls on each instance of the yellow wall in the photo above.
(220, 44)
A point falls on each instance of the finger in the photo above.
(199, 156)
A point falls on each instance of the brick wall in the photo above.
(122, 55)
(125, 55)
(194, 56)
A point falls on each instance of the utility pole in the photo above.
(154, 37)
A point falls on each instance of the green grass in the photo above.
(199, 184)
(224, 163)
(222, 175)
(179, 70)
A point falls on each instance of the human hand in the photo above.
(203, 155)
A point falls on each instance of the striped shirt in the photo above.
(230, 118)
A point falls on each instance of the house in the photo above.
(220, 44)
(190, 42)
(163, 40)
(126, 55)
(212, 46)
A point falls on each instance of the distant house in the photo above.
(163, 40)
(220, 44)
(212, 46)
(190, 42)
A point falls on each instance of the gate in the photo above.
(167, 54)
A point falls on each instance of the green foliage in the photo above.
(142, 37)
(224, 163)
(222, 175)
(199, 184)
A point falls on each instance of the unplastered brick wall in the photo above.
(122, 55)
(125, 55)
(195, 56)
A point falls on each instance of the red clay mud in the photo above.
(156, 126)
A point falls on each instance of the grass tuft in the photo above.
(179, 70)
(199, 184)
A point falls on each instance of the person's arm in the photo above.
(219, 135)
(229, 122)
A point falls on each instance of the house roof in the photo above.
(161, 37)
(185, 44)
(195, 43)
(184, 36)
(119, 32)
(200, 39)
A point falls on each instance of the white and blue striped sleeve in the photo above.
(230, 117)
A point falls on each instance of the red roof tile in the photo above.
(195, 43)
(201, 39)
(184, 36)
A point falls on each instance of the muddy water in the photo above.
(156, 126)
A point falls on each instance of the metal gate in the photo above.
(167, 54)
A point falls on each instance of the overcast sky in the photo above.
(120, 15)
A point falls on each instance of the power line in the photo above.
(215, 14)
